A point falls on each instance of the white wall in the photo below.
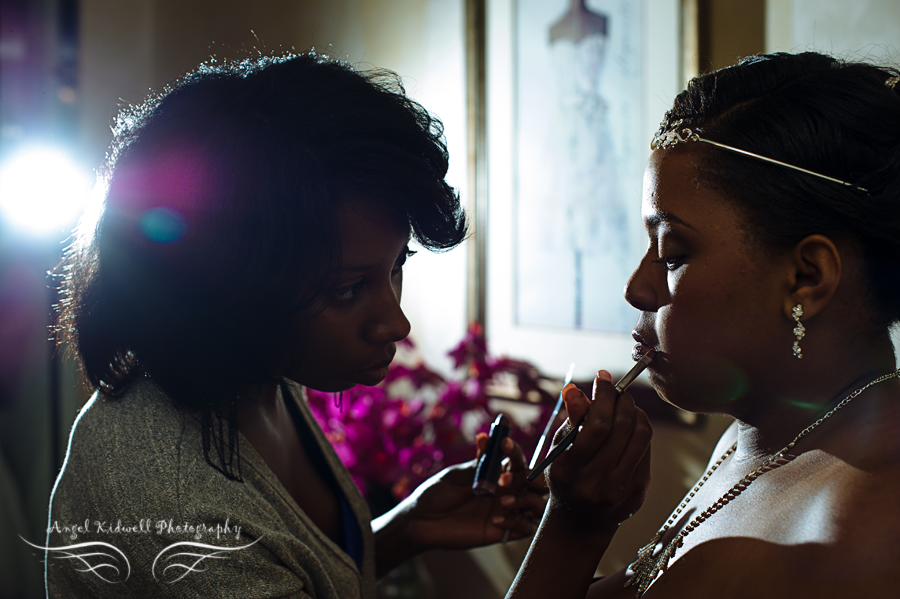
(859, 29)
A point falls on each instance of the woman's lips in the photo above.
(373, 375)
(641, 348)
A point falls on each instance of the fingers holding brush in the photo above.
(619, 426)
(600, 480)
(595, 417)
(580, 408)
(596, 421)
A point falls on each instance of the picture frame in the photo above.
(552, 346)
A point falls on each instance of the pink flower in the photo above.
(472, 348)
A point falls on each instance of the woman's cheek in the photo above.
(701, 372)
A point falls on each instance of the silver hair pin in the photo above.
(671, 138)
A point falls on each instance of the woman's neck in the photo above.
(260, 402)
(805, 398)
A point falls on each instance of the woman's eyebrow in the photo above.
(356, 268)
(653, 221)
(361, 267)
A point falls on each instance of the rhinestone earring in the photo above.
(799, 330)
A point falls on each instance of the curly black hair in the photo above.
(220, 223)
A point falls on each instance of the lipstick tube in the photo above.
(487, 472)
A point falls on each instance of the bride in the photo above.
(768, 289)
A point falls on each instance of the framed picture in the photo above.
(575, 90)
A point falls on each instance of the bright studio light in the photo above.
(41, 190)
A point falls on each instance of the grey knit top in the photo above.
(138, 512)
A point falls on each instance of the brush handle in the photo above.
(563, 445)
(559, 404)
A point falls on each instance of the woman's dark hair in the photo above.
(220, 219)
(836, 118)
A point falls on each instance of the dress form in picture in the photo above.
(582, 157)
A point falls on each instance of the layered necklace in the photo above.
(644, 570)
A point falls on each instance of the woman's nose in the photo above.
(390, 323)
(639, 291)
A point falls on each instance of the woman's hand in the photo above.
(444, 512)
(602, 479)
(594, 485)
(447, 514)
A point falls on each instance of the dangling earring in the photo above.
(339, 401)
(799, 330)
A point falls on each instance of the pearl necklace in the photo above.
(644, 570)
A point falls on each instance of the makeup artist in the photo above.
(771, 279)
(256, 219)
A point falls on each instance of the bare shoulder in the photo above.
(854, 552)
(868, 504)
(745, 567)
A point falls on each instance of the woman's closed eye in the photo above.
(671, 262)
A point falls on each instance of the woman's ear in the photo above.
(816, 273)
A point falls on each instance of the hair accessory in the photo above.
(339, 401)
(799, 330)
(665, 139)
(892, 81)
(644, 570)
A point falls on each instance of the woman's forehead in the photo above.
(357, 214)
(673, 192)
(367, 227)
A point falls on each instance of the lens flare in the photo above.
(162, 225)
(41, 190)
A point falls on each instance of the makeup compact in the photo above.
(487, 472)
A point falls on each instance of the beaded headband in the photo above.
(671, 138)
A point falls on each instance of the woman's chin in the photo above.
(367, 378)
(326, 386)
(370, 377)
(710, 385)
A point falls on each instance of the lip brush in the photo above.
(559, 404)
(566, 441)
